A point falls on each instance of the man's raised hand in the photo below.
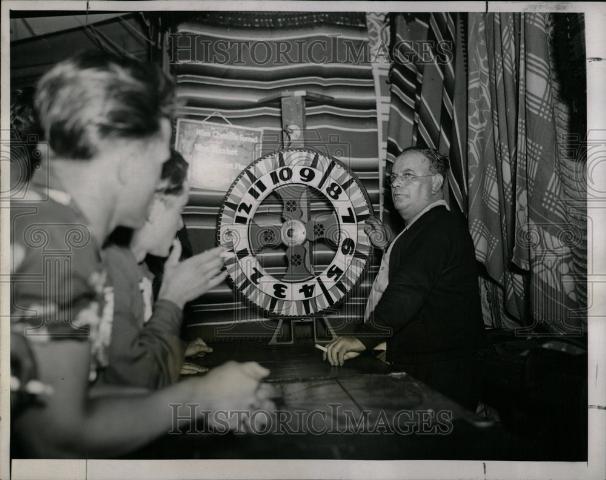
(378, 233)
(184, 281)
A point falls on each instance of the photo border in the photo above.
(595, 467)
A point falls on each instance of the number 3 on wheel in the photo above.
(293, 221)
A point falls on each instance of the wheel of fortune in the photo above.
(293, 225)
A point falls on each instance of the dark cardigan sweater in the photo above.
(430, 309)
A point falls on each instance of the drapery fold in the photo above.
(494, 105)
(493, 129)
(428, 88)
(517, 207)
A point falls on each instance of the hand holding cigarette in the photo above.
(341, 349)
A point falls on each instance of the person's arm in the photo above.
(72, 425)
(162, 335)
(409, 286)
(147, 355)
(410, 282)
(69, 335)
(150, 355)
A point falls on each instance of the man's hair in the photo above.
(95, 96)
(174, 174)
(437, 163)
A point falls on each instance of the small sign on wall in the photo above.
(216, 153)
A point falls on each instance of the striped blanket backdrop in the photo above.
(225, 63)
(378, 37)
(428, 85)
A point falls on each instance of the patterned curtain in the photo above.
(517, 205)
(483, 88)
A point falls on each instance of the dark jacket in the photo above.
(430, 309)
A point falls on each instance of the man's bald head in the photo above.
(437, 163)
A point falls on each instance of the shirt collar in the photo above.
(48, 183)
(437, 203)
(432, 205)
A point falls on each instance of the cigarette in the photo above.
(226, 254)
(321, 347)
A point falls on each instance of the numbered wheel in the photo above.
(293, 224)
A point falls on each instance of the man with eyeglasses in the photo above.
(425, 301)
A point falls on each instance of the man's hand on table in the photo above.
(341, 349)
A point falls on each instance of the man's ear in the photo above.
(125, 156)
(125, 168)
(436, 183)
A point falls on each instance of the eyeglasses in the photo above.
(406, 177)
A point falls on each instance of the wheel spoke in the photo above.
(263, 236)
(295, 202)
(299, 265)
(324, 227)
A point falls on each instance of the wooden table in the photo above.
(362, 410)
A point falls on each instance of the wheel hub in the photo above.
(293, 232)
